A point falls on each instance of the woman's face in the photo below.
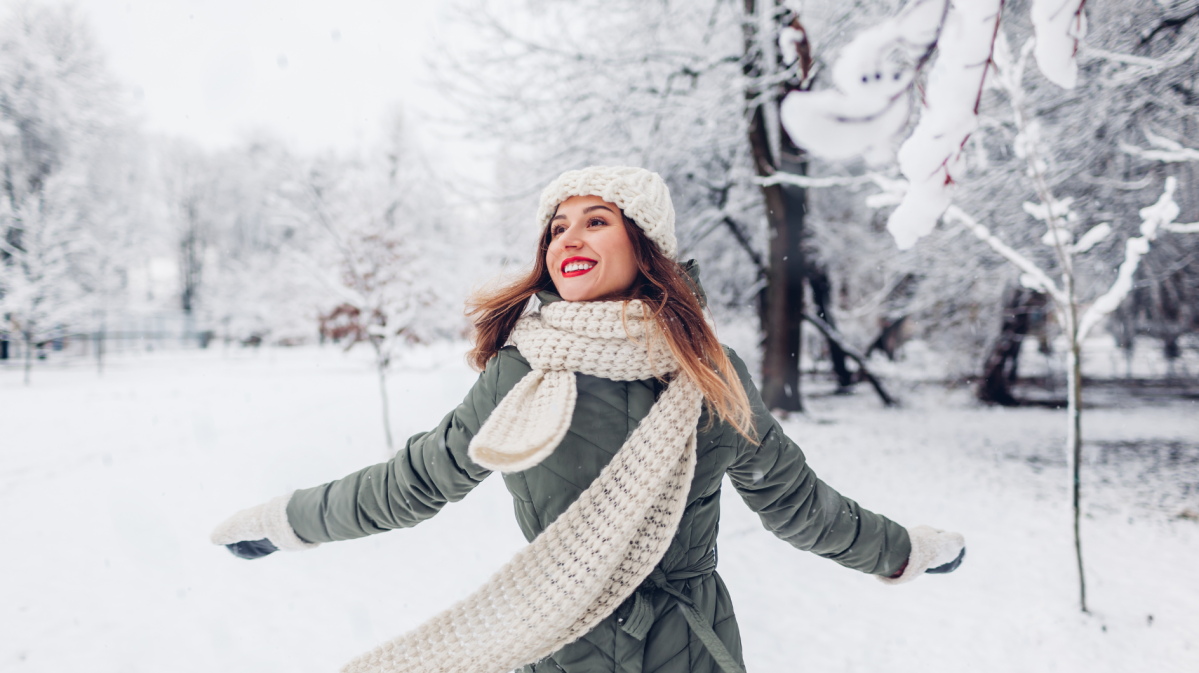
(590, 255)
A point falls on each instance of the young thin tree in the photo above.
(389, 261)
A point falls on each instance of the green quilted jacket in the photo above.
(771, 476)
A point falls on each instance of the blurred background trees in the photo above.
(113, 236)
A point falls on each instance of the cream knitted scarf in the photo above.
(592, 557)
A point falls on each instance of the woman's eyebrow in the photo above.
(585, 211)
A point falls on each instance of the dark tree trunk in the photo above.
(822, 296)
(889, 338)
(192, 245)
(1000, 370)
(781, 302)
(29, 347)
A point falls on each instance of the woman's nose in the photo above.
(570, 238)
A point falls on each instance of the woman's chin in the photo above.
(580, 290)
(581, 294)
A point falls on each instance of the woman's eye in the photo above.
(598, 220)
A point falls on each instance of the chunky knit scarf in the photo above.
(589, 560)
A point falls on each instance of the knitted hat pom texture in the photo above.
(642, 195)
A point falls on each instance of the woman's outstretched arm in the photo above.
(773, 477)
(431, 470)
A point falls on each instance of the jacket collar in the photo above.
(690, 266)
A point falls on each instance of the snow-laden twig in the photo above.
(932, 157)
(1158, 216)
(1168, 151)
(1088, 50)
(869, 102)
(1137, 72)
(1034, 277)
(1059, 26)
(1188, 228)
(816, 182)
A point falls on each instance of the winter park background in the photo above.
(237, 239)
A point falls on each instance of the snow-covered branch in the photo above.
(932, 159)
(1188, 228)
(816, 182)
(869, 102)
(1059, 26)
(1167, 150)
(1033, 278)
(1123, 58)
(1158, 216)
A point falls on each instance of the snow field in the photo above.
(112, 485)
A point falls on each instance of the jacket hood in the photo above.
(690, 266)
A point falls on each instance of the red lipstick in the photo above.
(577, 271)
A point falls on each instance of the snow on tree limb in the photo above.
(1167, 151)
(1093, 236)
(932, 158)
(1158, 216)
(816, 182)
(1189, 228)
(1033, 278)
(1059, 26)
(869, 103)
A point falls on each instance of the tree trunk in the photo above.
(821, 296)
(780, 304)
(1000, 369)
(101, 333)
(381, 366)
(28, 356)
(1074, 447)
(888, 339)
(1074, 431)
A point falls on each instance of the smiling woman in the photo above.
(614, 415)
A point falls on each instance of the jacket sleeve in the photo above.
(773, 477)
(431, 470)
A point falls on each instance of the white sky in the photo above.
(316, 74)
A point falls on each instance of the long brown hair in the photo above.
(669, 296)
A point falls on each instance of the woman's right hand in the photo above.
(257, 531)
(252, 549)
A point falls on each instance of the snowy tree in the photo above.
(382, 243)
(254, 289)
(57, 108)
(195, 189)
(876, 77)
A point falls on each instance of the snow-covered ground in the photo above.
(110, 486)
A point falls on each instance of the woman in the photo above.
(613, 413)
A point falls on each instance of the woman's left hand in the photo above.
(933, 551)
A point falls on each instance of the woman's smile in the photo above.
(577, 266)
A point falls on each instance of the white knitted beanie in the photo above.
(641, 194)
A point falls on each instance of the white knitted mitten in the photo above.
(931, 548)
(265, 521)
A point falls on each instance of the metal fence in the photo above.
(111, 334)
